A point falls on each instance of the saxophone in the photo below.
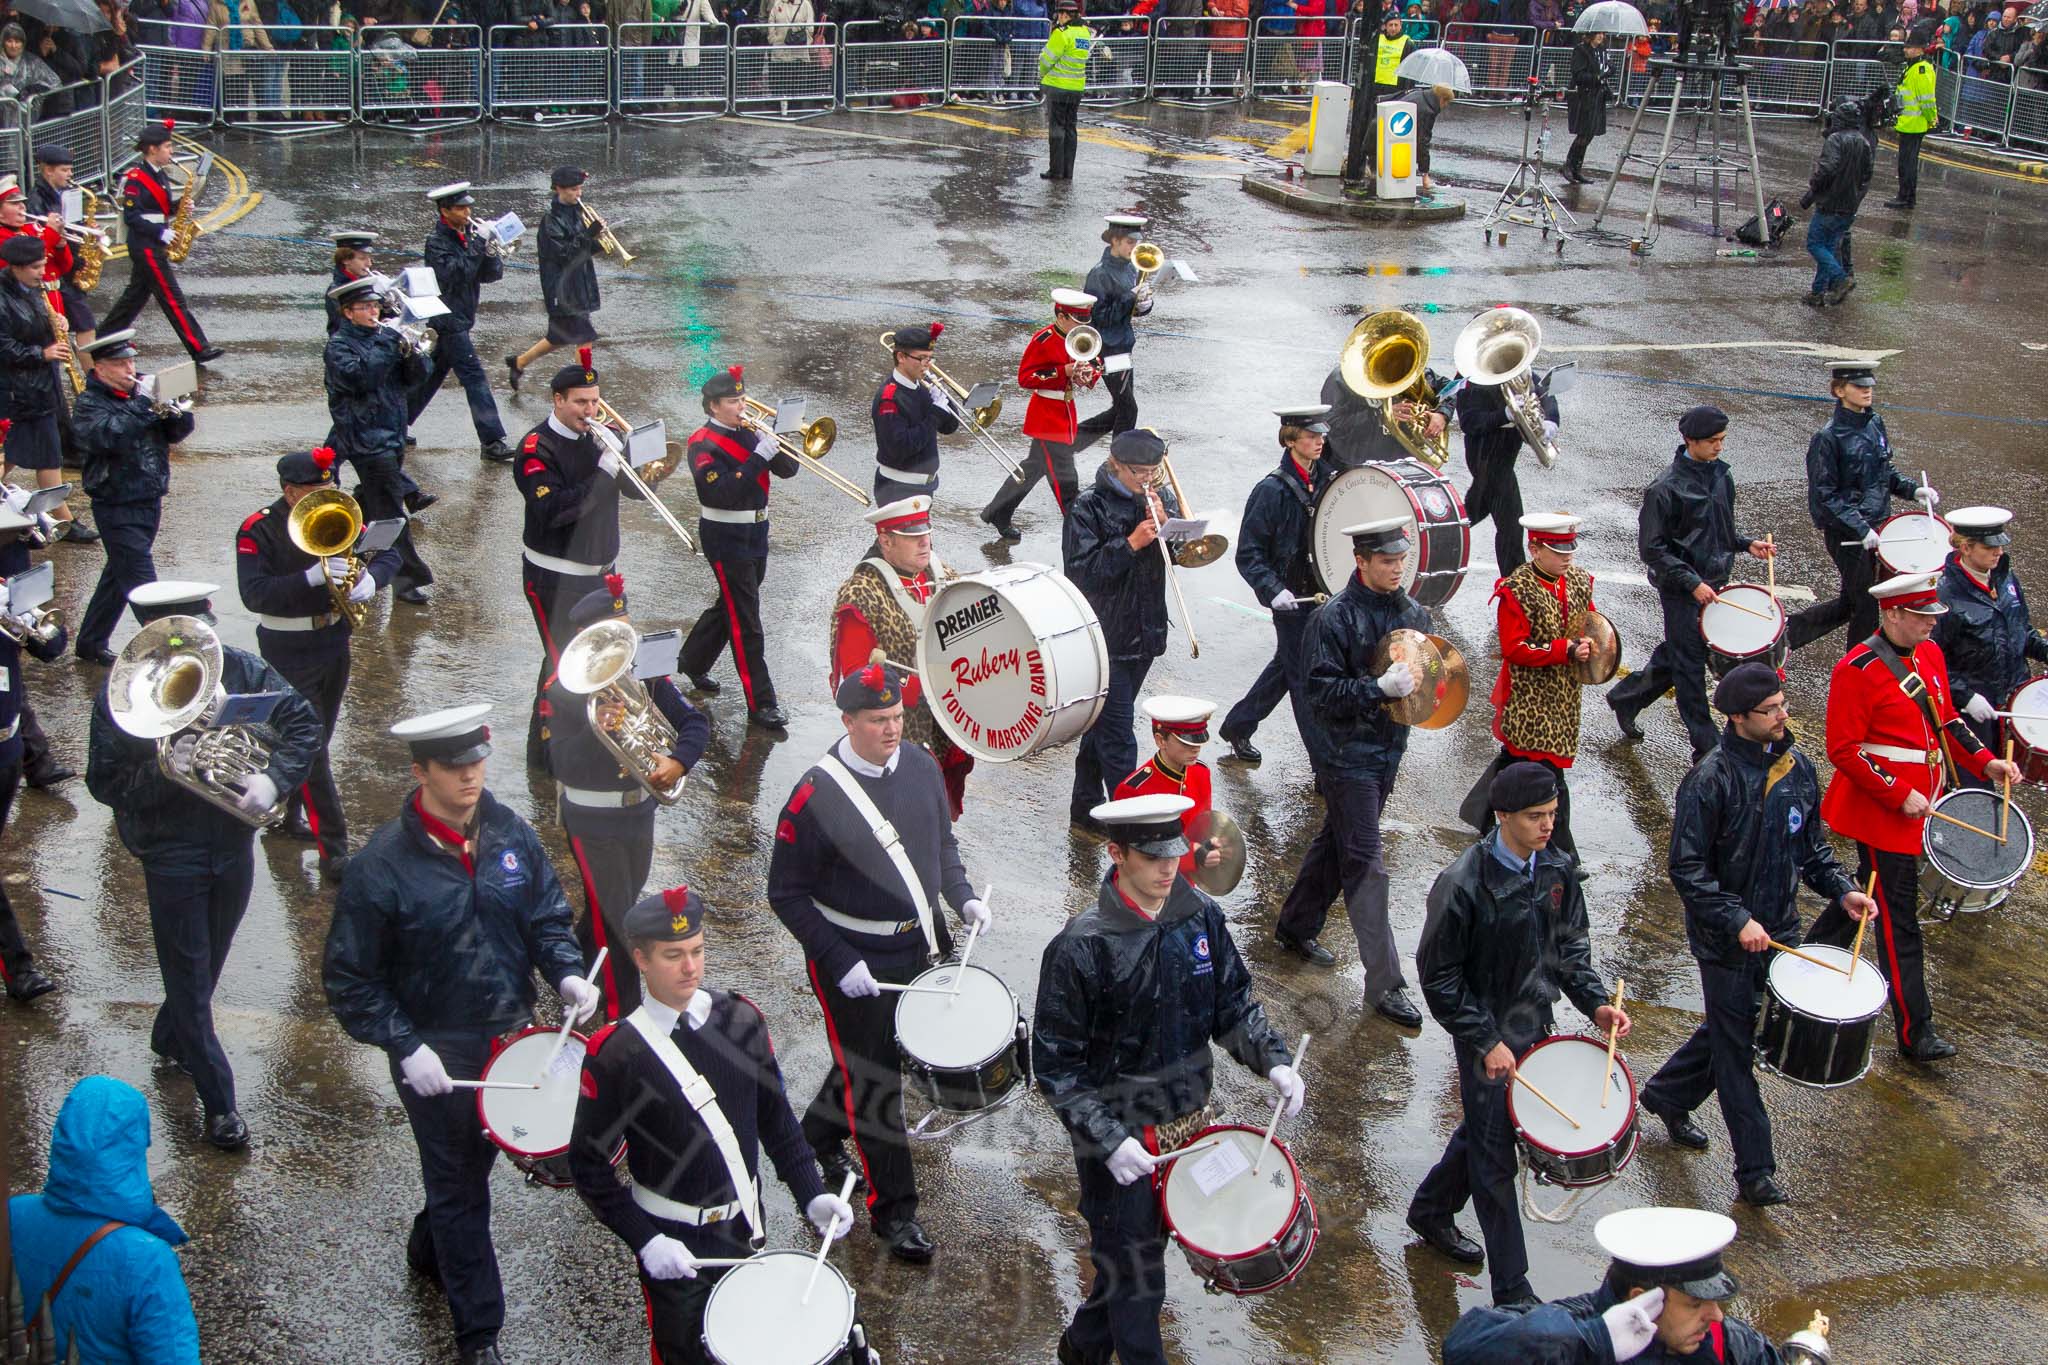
(62, 330)
(184, 229)
(90, 250)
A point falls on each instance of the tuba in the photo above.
(598, 663)
(1383, 362)
(1497, 348)
(324, 524)
(166, 686)
(90, 246)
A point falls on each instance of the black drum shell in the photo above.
(1814, 1052)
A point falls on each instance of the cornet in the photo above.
(166, 686)
(1498, 348)
(40, 625)
(952, 396)
(1149, 259)
(325, 524)
(598, 664)
(606, 238)
(807, 445)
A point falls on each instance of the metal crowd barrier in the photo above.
(884, 71)
(282, 89)
(782, 71)
(431, 77)
(14, 139)
(80, 131)
(2029, 123)
(1286, 63)
(674, 73)
(1854, 69)
(126, 109)
(1119, 61)
(180, 74)
(556, 73)
(1500, 57)
(1790, 79)
(1193, 66)
(994, 59)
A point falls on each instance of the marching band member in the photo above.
(1492, 443)
(731, 470)
(124, 439)
(352, 261)
(863, 852)
(1744, 834)
(1892, 731)
(1687, 536)
(1273, 545)
(1109, 550)
(1358, 426)
(909, 419)
(198, 861)
(148, 204)
(1119, 297)
(369, 367)
(571, 487)
(1988, 635)
(1049, 373)
(1536, 697)
(30, 354)
(605, 810)
(568, 272)
(301, 635)
(1660, 1303)
(46, 196)
(15, 221)
(17, 964)
(1850, 483)
(1505, 936)
(40, 766)
(881, 606)
(689, 1082)
(444, 917)
(462, 265)
(1180, 727)
(1355, 748)
(1132, 992)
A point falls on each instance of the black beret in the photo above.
(873, 688)
(566, 176)
(1746, 687)
(154, 135)
(918, 337)
(665, 917)
(307, 468)
(1520, 786)
(53, 154)
(600, 605)
(1140, 446)
(726, 383)
(581, 375)
(22, 249)
(1702, 423)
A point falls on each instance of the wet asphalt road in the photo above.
(1918, 1206)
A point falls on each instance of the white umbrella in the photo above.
(1612, 16)
(1434, 66)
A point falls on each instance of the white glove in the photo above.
(976, 914)
(316, 576)
(826, 1207)
(1632, 1326)
(145, 385)
(1549, 430)
(1980, 709)
(182, 749)
(609, 462)
(668, 1259)
(1397, 681)
(363, 589)
(859, 983)
(1130, 1160)
(1926, 496)
(1287, 1084)
(579, 997)
(765, 445)
(258, 793)
(1870, 540)
(1283, 600)
(424, 1072)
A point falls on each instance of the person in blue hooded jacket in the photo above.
(125, 1299)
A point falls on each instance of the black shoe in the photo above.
(51, 774)
(1932, 1047)
(1307, 949)
(166, 1059)
(1004, 529)
(768, 718)
(227, 1131)
(512, 365)
(1087, 824)
(1682, 1129)
(836, 1165)
(419, 501)
(1396, 1006)
(28, 983)
(498, 452)
(335, 868)
(1047, 175)
(209, 355)
(1070, 1354)
(1520, 1303)
(411, 440)
(1241, 748)
(1763, 1192)
(908, 1243)
(1814, 300)
(1842, 290)
(1898, 203)
(300, 826)
(417, 596)
(79, 533)
(1446, 1238)
(1626, 720)
(103, 657)
(483, 1355)
(709, 687)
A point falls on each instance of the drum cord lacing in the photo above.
(1563, 1212)
(922, 1131)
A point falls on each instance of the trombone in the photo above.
(606, 238)
(325, 524)
(1166, 553)
(806, 445)
(1207, 549)
(660, 469)
(953, 398)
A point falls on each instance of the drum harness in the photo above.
(704, 1100)
(1915, 688)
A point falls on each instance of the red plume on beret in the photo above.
(583, 356)
(937, 328)
(873, 676)
(170, 123)
(677, 899)
(323, 456)
(735, 372)
(615, 584)
(6, 425)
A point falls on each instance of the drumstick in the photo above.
(1771, 564)
(2005, 811)
(1273, 1124)
(494, 1085)
(1747, 611)
(1189, 1150)
(569, 1016)
(972, 935)
(913, 990)
(1530, 1086)
(1805, 957)
(1856, 948)
(1965, 824)
(1613, 1036)
(831, 1231)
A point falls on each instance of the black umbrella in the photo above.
(81, 16)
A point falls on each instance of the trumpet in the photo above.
(1384, 362)
(953, 397)
(38, 625)
(1498, 348)
(657, 470)
(806, 445)
(606, 238)
(166, 686)
(598, 664)
(325, 524)
(1084, 344)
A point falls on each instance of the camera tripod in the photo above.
(1527, 198)
(1709, 76)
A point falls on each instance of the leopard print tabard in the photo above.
(1542, 711)
(897, 636)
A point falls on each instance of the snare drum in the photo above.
(964, 1052)
(532, 1126)
(1968, 872)
(1013, 661)
(756, 1314)
(1911, 542)
(1744, 623)
(2027, 727)
(1571, 1070)
(1242, 1235)
(1818, 1024)
(1439, 536)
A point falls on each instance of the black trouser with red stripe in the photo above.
(322, 682)
(1047, 460)
(549, 595)
(150, 275)
(735, 619)
(15, 958)
(613, 859)
(1897, 936)
(862, 1096)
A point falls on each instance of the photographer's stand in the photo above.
(1527, 198)
(1705, 158)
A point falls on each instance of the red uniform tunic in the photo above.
(56, 255)
(1867, 707)
(1047, 371)
(1154, 778)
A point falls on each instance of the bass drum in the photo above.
(1013, 661)
(1440, 538)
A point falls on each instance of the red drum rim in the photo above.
(498, 1046)
(1166, 1215)
(1601, 1146)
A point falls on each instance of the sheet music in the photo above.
(379, 536)
(1185, 528)
(1217, 1167)
(655, 656)
(647, 443)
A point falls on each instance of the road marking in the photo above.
(2032, 172)
(238, 203)
(1088, 135)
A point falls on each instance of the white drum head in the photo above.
(2029, 706)
(533, 1123)
(756, 1314)
(1913, 542)
(1367, 493)
(1569, 1071)
(1214, 1203)
(951, 1032)
(1826, 994)
(1013, 660)
(1729, 627)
